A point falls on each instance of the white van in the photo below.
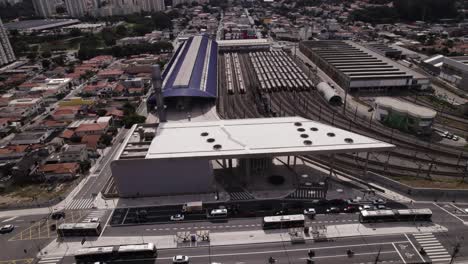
(218, 213)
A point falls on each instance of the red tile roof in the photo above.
(91, 141)
(91, 127)
(60, 168)
(67, 133)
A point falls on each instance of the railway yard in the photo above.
(267, 84)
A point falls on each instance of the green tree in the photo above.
(75, 32)
(59, 60)
(45, 64)
(101, 112)
(108, 36)
(20, 47)
(46, 54)
(106, 140)
(32, 56)
(121, 30)
(132, 119)
(161, 21)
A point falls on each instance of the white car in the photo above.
(177, 217)
(466, 210)
(310, 211)
(6, 229)
(180, 259)
(94, 220)
(365, 207)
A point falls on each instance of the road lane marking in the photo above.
(10, 219)
(415, 249)
(449, 213)
(399, 254)
(444, 259)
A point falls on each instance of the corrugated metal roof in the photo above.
(193, 70)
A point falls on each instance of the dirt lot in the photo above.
(33, 194)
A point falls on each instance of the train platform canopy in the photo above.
(192, 71)
(250, 138)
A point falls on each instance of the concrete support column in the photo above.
(332, 164)
(366, 164)
(230, 163)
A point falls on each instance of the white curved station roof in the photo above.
(242, 138)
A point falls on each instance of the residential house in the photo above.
(110, 74)
(65, 113)
(58, 171)
(92, 129)
(31, 137)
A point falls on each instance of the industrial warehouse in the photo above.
(181, 157)
(404, 116)
(359, 69)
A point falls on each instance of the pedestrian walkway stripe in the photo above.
(80, 204)
(434, 249)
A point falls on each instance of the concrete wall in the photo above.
(427, 194)
(152, 177)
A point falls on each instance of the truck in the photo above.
(192, 207)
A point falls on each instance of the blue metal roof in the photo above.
(196, 87)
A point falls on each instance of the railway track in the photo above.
(311, 105)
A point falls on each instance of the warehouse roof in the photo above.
(40, 24)
(255, 138)
(192, 71)
(243, 42)
(354, 56)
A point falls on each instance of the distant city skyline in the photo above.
(6, 51)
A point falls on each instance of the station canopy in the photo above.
(262, 137)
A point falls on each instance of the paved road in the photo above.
(230, 225)
(391, 248)
(14, 249)
(95, 182)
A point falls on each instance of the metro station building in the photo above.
(180, 157)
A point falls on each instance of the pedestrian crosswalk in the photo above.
(94, 214)
(303, 193)
(434, 249)
(239, 196)
(50, 260)
(80, 204)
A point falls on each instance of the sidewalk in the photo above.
(70, 247)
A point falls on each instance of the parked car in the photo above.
(455, 138)
(180, 259)
(6, 229)
(351, 209)
(333, 210)
(366, 207)
(177, 217)
(379, 201)
(58, 215)
(95, 220)
(310, 212)
(381, 207)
